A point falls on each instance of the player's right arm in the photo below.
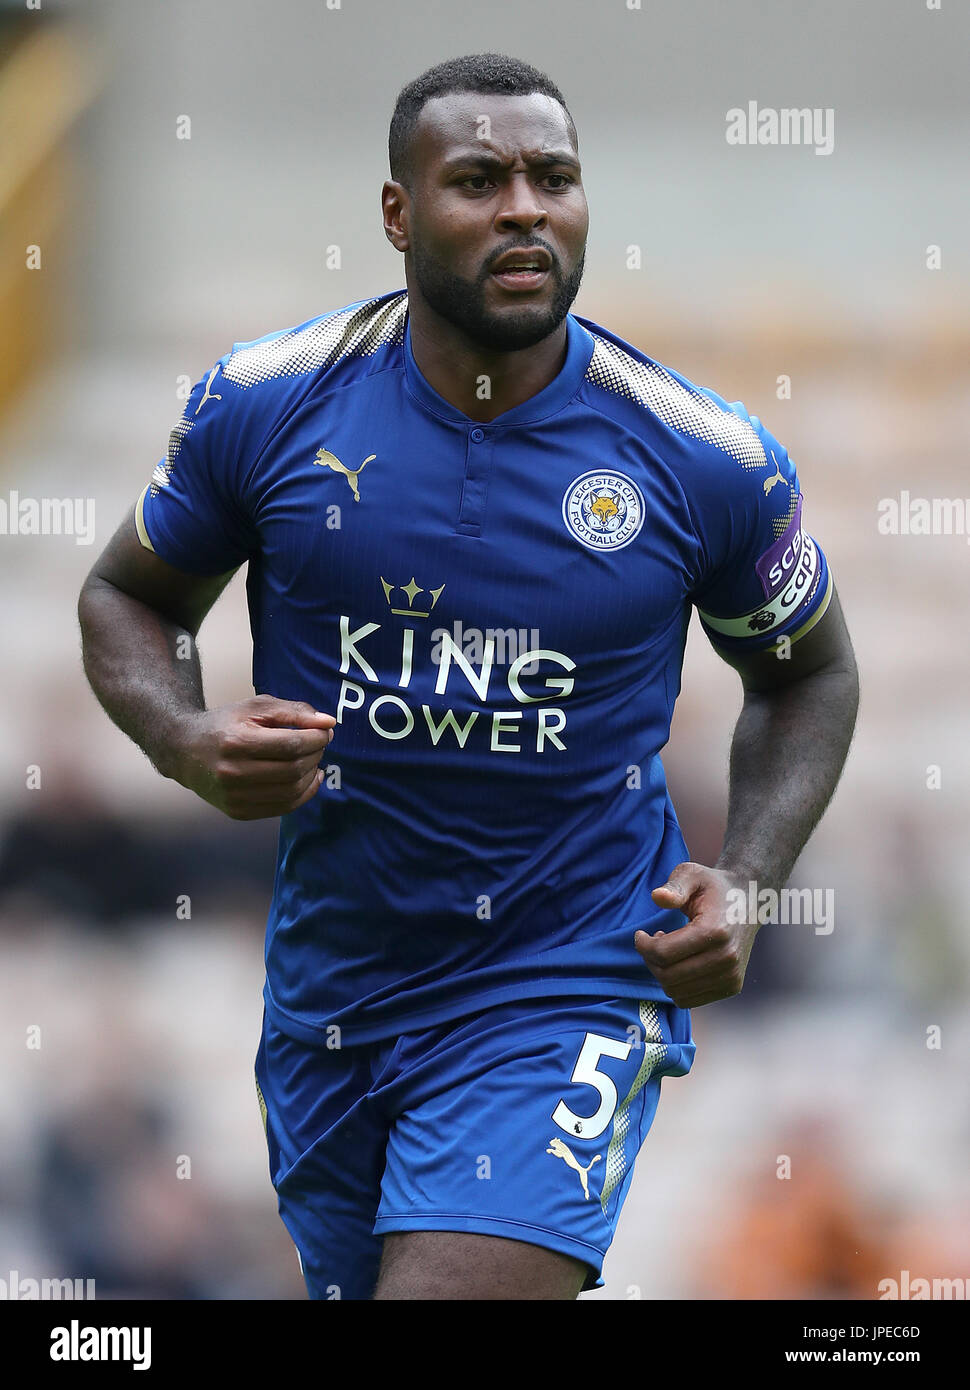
(146, 596)
(139, 619)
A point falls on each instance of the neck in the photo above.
(455, 365)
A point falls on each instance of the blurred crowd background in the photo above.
(131, 1149)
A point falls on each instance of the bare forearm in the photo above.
(143, 668)
(787, 755)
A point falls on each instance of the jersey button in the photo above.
(478, 436)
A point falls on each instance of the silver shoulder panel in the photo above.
(349, 333)
(683, 409)
(163, 471)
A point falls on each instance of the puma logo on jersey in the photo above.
(778, 478)
(563, 1151)
(327, 460)
(207, 395)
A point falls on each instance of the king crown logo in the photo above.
(412, 590)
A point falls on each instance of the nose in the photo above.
(521, 209)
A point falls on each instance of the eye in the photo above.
(566, 180)
(481, 180)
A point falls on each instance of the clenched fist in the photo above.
(258, 758)
(704, 960)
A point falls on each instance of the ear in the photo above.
(396, 204)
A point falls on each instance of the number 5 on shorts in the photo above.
(594, 1047)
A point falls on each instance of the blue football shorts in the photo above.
(521, 1121)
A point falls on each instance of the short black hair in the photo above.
(493, 74)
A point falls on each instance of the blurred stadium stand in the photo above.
(48, 79)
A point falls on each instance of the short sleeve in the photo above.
(193, 513)
(765, 576)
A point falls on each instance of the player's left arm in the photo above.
(790, 743)
(788, 750)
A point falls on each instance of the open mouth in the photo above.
(523, 268)
(527, 276)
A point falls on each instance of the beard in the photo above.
(462, 303)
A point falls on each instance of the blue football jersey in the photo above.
(496, 616)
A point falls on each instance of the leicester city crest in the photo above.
(604, 510)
